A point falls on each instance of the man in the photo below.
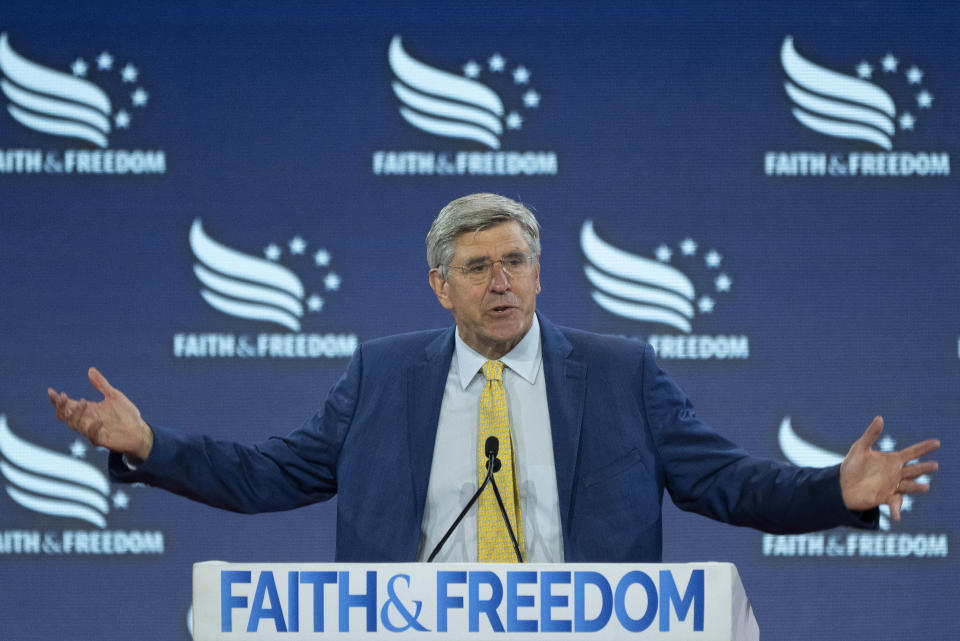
(590, 433)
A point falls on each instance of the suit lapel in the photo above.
(566, 387)
(426, 379)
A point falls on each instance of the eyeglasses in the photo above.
(513, 266)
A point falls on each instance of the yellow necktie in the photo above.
(494, 543)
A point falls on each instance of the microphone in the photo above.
(490, 449)
(496, 493)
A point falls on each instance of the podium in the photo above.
(460, 602)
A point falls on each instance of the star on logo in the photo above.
(139, 97)
(122, 119)
(907, 503)
(104, 61)
(496, 62)
(129, 73)
(514, 120)
(713, 259)
(321, 258)
(297, 245)
(521, 75)
(315, 303)
(663, 254)
(914, 75)
(706, 304)
(889, 63)
(331, 282)
(723, 283)
(79, 67)
(121, 500)
(471, 69)
(273, 252)
(531, 99)
(78, 449)
(864, 70)
(688, 247)
(907, 121)
(887, 444)
(924, 99)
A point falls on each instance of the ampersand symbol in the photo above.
(401, 609)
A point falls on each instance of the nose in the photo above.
(499, 278)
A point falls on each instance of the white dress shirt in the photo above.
(453, 475)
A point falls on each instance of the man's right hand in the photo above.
(114, 423)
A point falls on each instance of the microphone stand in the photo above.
(493, 465)
(503, 513)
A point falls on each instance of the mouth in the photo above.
(502, 309)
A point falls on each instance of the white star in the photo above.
(887, 444)
(713, 258)
(914, 75)
(907, 503)
(706, 305)
(79, 67)
(321, 258)
(907, 121)
(496, 62)
(521, 75)
(139, 97)
(272, 252)
(514, 120)
(332, 282)
(78, 449)
(121, 500)
(297, 245)
(864, 70)
(663, 253)
(723, 283)
(688, 247)
(471, 69)
(104, 61)
(122, 119)
(924, 99)
(315, 303)
(923, 479)
(531, 99)
(129, 73)
(889, 63)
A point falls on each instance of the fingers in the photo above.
(912, 487)
(919, 449)
(917, 469)
(99, 381)
(872, 433)
(895, 502)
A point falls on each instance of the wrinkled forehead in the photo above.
(492, 242)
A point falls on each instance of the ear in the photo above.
(439, 287)
(536, 274)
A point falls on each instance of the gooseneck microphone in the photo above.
(490, 448)
(503, 511)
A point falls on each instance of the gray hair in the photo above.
(476, 212)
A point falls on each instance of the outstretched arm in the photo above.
(869, 478)
(114, 423)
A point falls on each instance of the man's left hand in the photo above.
(869, 478)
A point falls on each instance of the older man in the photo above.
(590, 430)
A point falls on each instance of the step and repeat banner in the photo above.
(215, 204)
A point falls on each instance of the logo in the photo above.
(64, 487)
(857, 109)
(861, 544)
(651, 290)
(263, 290)
(463, 108)
(72, 106)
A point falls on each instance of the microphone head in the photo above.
(492, 446)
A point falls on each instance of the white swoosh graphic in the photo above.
(830, 112)
(275, 293)
(635, 287)
(800, 452)
(448, 105)
(52, 483)
(48, 93)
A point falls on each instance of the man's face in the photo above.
(495, 313)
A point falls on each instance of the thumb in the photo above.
(99, 381)
(872, 433)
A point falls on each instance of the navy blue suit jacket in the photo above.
(623, 431)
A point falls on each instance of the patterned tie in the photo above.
(494, 543)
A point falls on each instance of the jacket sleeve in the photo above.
(708, 474)
(279, 474)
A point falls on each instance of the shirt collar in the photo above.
(525, 358)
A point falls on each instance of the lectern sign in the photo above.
(469, 601)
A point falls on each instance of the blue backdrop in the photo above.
(214, 204)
